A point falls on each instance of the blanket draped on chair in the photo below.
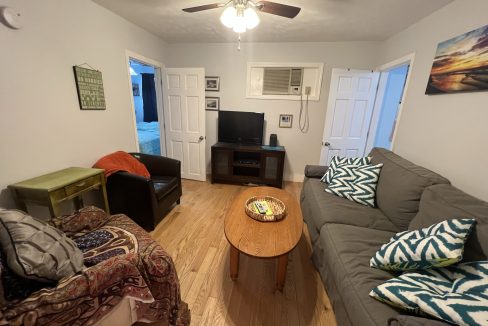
(121, 161)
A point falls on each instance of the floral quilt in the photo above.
(121, 261)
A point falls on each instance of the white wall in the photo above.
(42, 128)
(446, 133)
(225, 61)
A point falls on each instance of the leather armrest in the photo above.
(315, 171)
(159, 165)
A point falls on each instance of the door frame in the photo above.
(380, 95)
(159, 96)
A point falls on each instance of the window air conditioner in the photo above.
(282, 81)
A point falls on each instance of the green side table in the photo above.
(54, 188)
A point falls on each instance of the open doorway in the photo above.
(389, 101)
(145, 80)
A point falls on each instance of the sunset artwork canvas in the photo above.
(461, 64)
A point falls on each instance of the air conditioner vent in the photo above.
(282, 81)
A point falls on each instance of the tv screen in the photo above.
(241, 127)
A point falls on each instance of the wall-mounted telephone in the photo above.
(303, 121)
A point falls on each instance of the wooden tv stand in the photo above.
(234, 163)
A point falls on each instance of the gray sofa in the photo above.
(345, 235)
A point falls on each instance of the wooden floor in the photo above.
(193, 233)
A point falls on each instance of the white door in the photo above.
(349, 109)
(184, 117)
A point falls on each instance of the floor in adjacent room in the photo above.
(193, 233)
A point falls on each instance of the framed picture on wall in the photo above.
(135, 89)
(89, 85)
(212, 83)
(286, 120)
(212, 103)
(460, 64)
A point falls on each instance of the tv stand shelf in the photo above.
(235, 163)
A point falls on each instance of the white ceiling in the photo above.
(319, 20)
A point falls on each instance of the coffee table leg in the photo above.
(234, 262)
(281, 272)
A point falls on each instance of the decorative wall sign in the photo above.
(89, 85)
(212, 84)
(212, 103)
(461, 64)
(286, 120)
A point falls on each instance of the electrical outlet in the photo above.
(308, 90)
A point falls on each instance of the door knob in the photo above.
(326, 144)
(200, 139)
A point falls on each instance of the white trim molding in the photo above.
(129, 55)
(383, 69)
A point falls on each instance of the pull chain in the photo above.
(239, 45)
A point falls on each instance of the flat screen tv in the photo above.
(241, 127)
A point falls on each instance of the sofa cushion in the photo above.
(457, 294)
(343, 252)
(337, 161)
(439, 245)
(356, 183)
(320, 207)
(442, 202)
(400, 186)
(36, 250)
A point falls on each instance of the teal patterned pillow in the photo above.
(338, 161)
(356, 183)
(456, 294)
(439, 245)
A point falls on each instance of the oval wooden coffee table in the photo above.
(263, 239)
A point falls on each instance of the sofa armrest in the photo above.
(159, 165)
(81, 221)
(315, 171)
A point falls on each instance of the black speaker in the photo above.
(273, 140)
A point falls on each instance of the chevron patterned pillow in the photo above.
(356, 183)
(338, 161)
(439, 245)
(456, 294)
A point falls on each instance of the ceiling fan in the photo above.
(240, 15)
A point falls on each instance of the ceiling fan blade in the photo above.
(204, 7)
(278, 9)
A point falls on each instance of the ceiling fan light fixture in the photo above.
(228, 17)
(251, 17)
(240, 24)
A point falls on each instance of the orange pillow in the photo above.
(121, 161)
